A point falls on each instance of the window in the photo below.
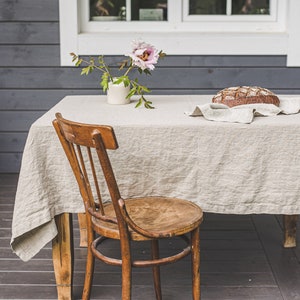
(229, 27)
(157, 10)
(122, 10)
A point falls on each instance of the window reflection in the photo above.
(101, 10)
(149, 10)
(141, 10)
(207, 7)
(254, 7)
(218, 7)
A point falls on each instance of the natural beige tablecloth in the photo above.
(224, 167)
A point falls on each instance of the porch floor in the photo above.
(241, 258)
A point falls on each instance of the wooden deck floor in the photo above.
(241, 258)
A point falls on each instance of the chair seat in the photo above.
(163, 215)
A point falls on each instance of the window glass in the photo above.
(236, 7)
(149, 10)
(207, 7)
(253, 7)
(134, 10)
(107, 10)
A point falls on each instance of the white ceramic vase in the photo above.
(116, 93)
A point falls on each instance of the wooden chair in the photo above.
(126, 220)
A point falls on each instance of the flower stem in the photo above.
(129, 69)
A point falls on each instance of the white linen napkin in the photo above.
(289, 104)
(246, 113)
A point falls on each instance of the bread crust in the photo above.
(241, 95)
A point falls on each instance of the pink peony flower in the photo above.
(144, 55)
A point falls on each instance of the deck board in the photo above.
(241, 258)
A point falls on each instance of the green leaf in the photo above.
(145, 89)
(104, 81)
(100, 59)
(146, 71)
(119, 80)
(148, 105)
(86, 70)
(74, 56)
(161, 54)
(78, 63)
(131, 92)
(139, 103)
(126, 81)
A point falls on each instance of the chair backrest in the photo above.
(85, 146)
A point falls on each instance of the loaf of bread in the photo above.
(240, 95)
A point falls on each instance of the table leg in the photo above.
(290, 225)
(82, 227)
(62, 254)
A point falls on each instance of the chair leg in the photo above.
(290, 229)
(156, 270)
(126, 279)
(126, 269)
(89, 272)
(90, 260)
(195, 253)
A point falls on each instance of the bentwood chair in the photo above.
(126, 220)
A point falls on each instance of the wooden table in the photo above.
(224, 167)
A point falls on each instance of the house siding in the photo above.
(32, 80)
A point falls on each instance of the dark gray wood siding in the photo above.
(32, 81)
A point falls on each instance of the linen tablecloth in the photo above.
(224, 167)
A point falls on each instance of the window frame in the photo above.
(275, 34)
